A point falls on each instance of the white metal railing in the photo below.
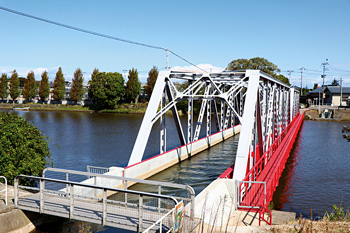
(5, 189)
(126, 181)
(160, 223)
(140, 207)
(95, 169)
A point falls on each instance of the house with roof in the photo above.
(334, 95)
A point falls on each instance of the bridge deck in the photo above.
(124, 216)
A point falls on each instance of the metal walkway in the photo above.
(126, 209)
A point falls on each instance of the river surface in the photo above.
(317, 173)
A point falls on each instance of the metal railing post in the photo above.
(140, 212)
(16, 191)
(71, 205)
(67, 179)
(104, 207)
(126, 195)
(41, 196)
(159, 192)
(95, 180)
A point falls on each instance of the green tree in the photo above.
(23, 148)
(44, 88)
(335, 83)
(59, 86)
(105, 89)
(77, 91)
(151, 80)
(133, 85)
(3, 86)
(14, 86)
(258, 63)
(315, 86)
(29, 89)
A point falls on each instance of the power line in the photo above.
(96, 34)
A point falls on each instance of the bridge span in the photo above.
(262, 109)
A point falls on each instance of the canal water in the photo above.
(317, 173)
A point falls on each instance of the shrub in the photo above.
(23, 148)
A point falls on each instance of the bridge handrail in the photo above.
(160, 222)
(151, 182)
(72, 195)
(5, 189)
(128, 179)
(90, 186)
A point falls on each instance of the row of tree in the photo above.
(105, 89)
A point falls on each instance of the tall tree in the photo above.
(77, 91)
(133, 85)
(59, 86)
(3, 86)
(29, 89)
(335, 83)
(44, 88)
(151, 80)
(14, 86)
(258, 63)
(105, 89)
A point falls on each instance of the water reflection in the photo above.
(318, 173)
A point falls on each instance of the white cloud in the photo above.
(206, 67)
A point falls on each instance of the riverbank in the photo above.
(121, 108)
(313, 113)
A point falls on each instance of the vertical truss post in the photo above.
(209, 115)
(190, 116)
(248, 123)
(162, 125)
(222, 111)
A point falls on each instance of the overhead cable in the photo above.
(96, 33)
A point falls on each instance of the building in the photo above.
(332, 96)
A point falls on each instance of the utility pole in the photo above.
(301, 80)
(341, 91)
(167, 59)
(324, 76)
(289, 73)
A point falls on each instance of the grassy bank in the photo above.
(121, 108)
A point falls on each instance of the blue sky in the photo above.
(291, 34)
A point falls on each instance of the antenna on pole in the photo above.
(301, 80)
(323, 77)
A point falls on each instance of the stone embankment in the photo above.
(338, 114)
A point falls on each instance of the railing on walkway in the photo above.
(5, 188)
(139, 212)
(160, 223)
(95, 169)
(181, 192)
(252, 195)
(267, 170)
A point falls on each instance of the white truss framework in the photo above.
(226, 98)
(268, 109)
(220, 96)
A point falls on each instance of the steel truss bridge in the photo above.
(265, 109)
